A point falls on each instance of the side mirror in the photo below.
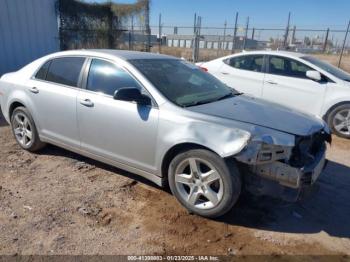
(132, 94)
(314, 75)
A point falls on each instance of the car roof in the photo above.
(270, 52)
(122, 54)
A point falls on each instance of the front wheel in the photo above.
(339, 120)
(204, 183)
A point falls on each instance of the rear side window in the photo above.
(65, 70)
(247, 62)
(41, 74)
(287, 67)
(105, 77)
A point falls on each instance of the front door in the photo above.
(286, 83)
(117, 130)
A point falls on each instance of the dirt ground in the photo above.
(57, 202)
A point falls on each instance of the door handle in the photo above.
(87, 102)
(34, 90)
(271, 82)
(225, 73)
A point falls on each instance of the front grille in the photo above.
(306, 148)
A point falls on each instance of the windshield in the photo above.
(328, 67)
(182, 82)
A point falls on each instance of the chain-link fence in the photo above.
(126, 26)
(86, 25)
(219, 41)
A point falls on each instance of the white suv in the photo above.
(292, 79)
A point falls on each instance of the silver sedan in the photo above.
(167, 120)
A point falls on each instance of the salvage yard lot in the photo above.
(57, 202)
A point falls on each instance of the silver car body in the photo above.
(139, 139)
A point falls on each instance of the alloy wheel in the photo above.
(199, 183)
(341, 122)
(23, 129)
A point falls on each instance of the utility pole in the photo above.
(253, 33)
(325, 41)
(160, 33)
(342, 49)
(234, 35)
(287, 32)
(246, 34)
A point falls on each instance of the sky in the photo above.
(263, 13)
(305, 14)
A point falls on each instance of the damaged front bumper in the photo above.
(270, 169)
(289, 176)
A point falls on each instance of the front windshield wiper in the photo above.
(201, 102)
(197, 103)
(231, 94)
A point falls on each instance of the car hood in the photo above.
(263, 113)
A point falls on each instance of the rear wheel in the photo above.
(24, 130)
(204, 183)
(339, 120)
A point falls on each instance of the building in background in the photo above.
(211, 42)
(28, 30)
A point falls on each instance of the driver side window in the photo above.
(105, 77)
(287, 67)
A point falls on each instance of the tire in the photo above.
(339, 120)
(24, 130)
(204, 195)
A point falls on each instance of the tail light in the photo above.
(204, 68)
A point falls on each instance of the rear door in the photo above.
(117, 130)
(244, 73)
(286, 83)
(53, 92)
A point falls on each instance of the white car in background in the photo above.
(292, 79)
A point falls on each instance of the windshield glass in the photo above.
(328, 67)
(182, 82)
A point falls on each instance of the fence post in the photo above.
(234, 35)
(194, 23)
(293, 35)
(224, 40)
(132, 33)
(325, 41)
(246, 34)
(342, 49)
(197, 28)
(287, 32)
(160, 33)
(148, 28)
(110, 27)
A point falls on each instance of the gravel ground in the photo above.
(57, 202)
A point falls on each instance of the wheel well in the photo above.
(13, 106)
(332, 107)
(174, 151)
